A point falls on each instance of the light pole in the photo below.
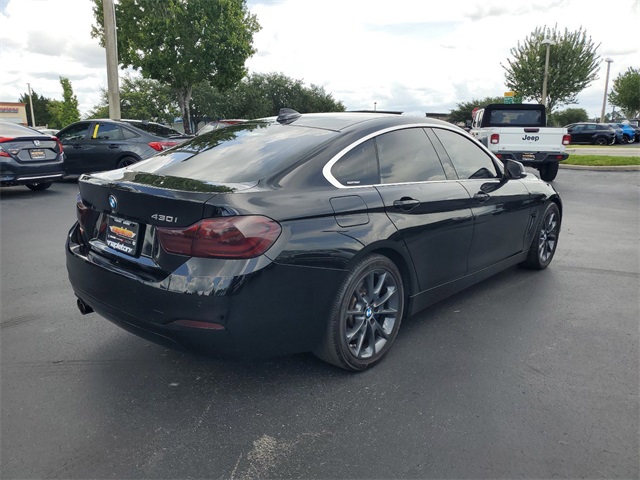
(606, 87)
(548, 42)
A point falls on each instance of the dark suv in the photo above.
(591, 133)
(96, 145)
(28, 157)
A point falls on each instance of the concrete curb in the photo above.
(610, 168)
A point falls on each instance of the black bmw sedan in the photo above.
(315, 232)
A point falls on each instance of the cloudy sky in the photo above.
(416, 56)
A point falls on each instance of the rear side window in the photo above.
(469, 160)
(359, 166)
(107, 131)
(157, 129)
(128, 134)
(408, 156)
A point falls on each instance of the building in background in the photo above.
(13, 112)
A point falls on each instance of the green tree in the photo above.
(463, 110)
(40, 108)
(567, 116)
(573, 65)
(263, 95)
(66, 111)
(141, 99)
(625, 92)
(182, 43)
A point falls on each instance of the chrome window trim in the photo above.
(326, 170)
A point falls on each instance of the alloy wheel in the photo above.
(371, 313)
(548, 237)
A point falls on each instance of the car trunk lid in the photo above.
(119, 212)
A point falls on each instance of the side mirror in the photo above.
(467, 123)
(514, 169)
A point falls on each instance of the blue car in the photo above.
(624, 133)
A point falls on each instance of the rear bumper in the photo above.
(533, 159)
(13, 172)
(275, 310)
(9, 178)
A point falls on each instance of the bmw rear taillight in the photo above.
(160, 146)
(224, 237)
(495, 138)
(566, 139)
(82, 211)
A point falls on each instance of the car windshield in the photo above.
(156, 129)
(239, 153)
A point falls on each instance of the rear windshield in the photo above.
(11, 130)
(156, 129)
(516, 118)
(237, 154)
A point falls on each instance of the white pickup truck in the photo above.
(519, 132)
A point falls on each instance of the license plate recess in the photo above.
(122, 234)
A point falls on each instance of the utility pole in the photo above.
(111, 46)
(548, 42)
(606, 87)
(33, 118)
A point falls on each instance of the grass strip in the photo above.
(601, 161)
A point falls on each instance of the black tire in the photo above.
(126, 161)
(366, 315)
(626, 138)
(600, 141)
(545, 240)
(38, 187)
(549, 171)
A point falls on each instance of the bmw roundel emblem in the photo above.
(113, 202)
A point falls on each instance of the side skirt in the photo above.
(424, 299)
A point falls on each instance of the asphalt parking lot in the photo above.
(528, 374)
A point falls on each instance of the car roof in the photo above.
(340, 121)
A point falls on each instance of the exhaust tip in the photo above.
(84, 308)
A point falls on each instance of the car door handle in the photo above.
(114, 145)
(406, 203)
(481, 197)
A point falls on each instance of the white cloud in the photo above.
(409, 55)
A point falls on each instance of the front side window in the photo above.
(469, 160)
(408, 156)
(357, 167)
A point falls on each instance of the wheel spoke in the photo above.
(391, 291)
(380, 284)
(380, 330)
(370, 286)
(360, 296)
(363, 332)
(354, 331)
(387, 311)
